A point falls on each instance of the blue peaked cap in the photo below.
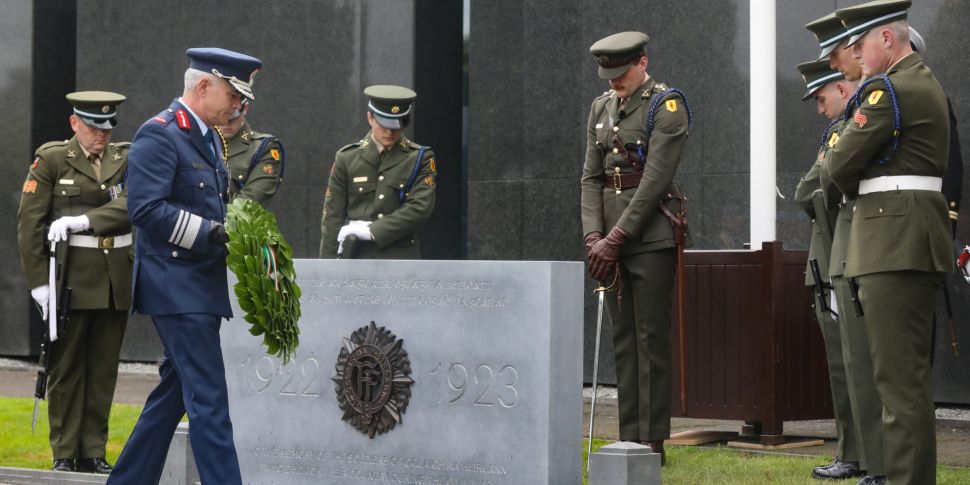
(237, 69)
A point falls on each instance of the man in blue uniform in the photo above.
(178, 180)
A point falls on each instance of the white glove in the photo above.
(61, 227)
(361, 229)
(42, 295)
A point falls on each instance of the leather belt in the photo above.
(620, 181)
(103, 242)
(900, 182)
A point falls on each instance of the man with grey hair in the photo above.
(892, 155)
(177, 168)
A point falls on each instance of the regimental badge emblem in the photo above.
(105, 109)
(373, 380)
(395, 109)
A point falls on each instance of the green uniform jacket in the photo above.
(810, 196)
(634, 210)
(903, 229)
(61, 182)
(365, 185)
(255, 181)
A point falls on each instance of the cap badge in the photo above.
(105, 109)
(395, 109)
(603, 59)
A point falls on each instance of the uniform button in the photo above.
(616, 169)
(401, 186)
(201, 185)
(639, 142)
(380, 216)
(102, 187)
(616, 129)
(240, 177)
(381, 196)
(853, 208)
(63, 192)
(105, 251)
(616, 150)
(360, 189)
(880, 210)
(412, 241)
(380, 178)
(175, 254)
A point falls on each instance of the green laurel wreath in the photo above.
(263, 264)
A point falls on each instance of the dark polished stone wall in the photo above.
(36, 71)
(530, 82)
(532, 79)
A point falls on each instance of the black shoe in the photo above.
(837, 470)
(63, 465)
(878, 481)
(94, 465)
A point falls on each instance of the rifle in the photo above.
(57, 318)
(820, 287)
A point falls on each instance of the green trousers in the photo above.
(848, 448)
(863, 397)
(641, 344)
(83, 373)
(899, 320)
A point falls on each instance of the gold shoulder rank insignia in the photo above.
(268, 169)
(275, 153)
(875, 96)
(672, 105)
(30, 186)
(432, 166)
(833, 139)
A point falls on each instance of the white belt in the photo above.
(104, 242)
(900, 182)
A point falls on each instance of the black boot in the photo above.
(94, 465)
(63, 465)
(837, 470)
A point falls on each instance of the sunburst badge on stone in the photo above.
(373, 380)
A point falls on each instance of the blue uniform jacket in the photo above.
(175, 188)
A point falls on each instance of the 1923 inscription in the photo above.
(491, 387)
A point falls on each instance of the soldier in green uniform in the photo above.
(255, 159)
(634, 140)
(76, 188)
(891, 156)
(831, 92)
(381, 188)
(863, 397)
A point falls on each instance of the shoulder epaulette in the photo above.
(255, 135)
(121, 144)
(657, 88)
(164, 118)
(348, 147)
(52, 144)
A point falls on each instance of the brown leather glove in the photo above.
(604, 253)
(590, 240)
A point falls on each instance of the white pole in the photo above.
(762, 125)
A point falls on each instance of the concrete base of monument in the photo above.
(624, 463)
(22, 476)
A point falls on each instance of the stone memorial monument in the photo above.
(451, 372)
